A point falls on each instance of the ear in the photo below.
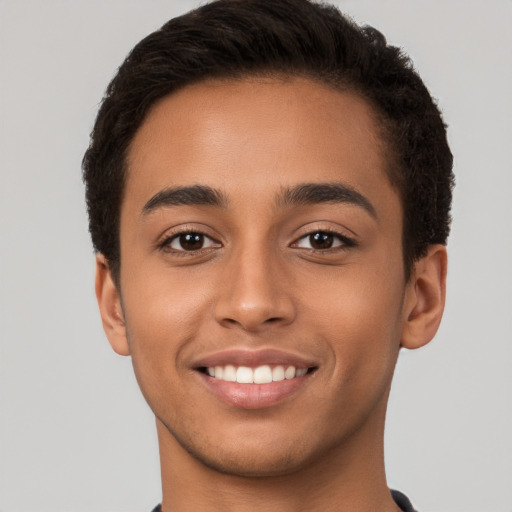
(424, 298)
(111, 311)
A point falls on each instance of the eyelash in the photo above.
(345, 242)
(165, 245)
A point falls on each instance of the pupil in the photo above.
(191, 241)
(321, 240)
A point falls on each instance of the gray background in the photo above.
(75, 432)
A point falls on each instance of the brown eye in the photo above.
(190, 242)
(321, 240)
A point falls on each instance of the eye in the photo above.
(189, 242)
(323, 240)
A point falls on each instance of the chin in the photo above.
(247, 466)
(243, 457)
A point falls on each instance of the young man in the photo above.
(269, 189)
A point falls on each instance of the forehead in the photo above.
(269, 132)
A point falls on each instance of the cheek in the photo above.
(360, 316)
(359, 297)
(162, 314)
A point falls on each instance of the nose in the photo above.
(254, 293)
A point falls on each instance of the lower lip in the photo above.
(253, 396)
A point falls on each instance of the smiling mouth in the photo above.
(263, 374)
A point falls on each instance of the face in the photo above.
(262, 280)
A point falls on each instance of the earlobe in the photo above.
(111, 311)
(425, 298)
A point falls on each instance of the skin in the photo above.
(259, 283)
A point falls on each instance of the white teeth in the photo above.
(261, 375)
(229, 373)
(278, 373)
(219, 372)
(244, 375)
(301, 372)
(289, 372)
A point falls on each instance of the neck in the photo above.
(349, 477)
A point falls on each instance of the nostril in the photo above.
(254, 314)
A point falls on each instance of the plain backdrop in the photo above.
(75, 433)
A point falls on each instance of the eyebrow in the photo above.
(303, 194)
(197, 195)
(317, 193)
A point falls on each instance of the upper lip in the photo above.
(253, 359)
